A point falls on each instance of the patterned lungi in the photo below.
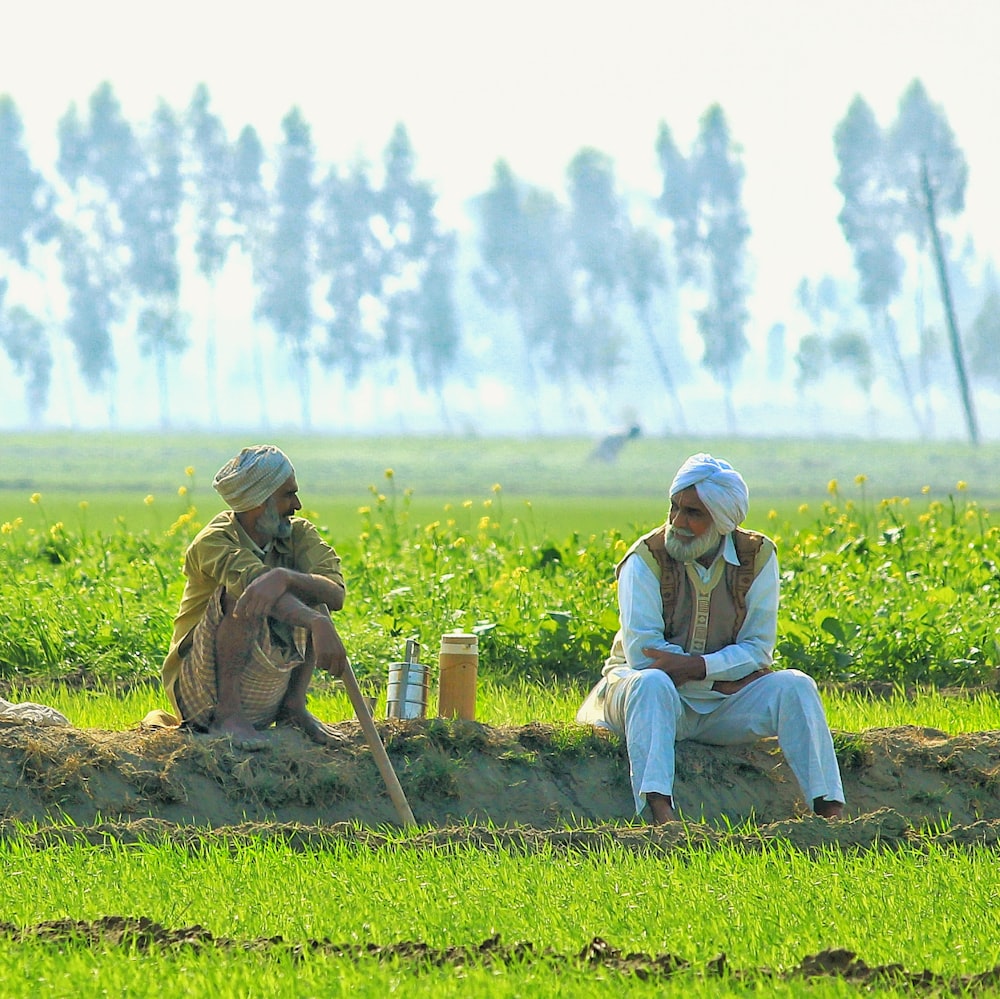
(277, 651)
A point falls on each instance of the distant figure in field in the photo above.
(254, 619)
(609, 447)
(698, 609)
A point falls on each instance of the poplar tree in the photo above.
(898, 182)
(288, 269)
(702, 197)
(27, 221)
(211, 186)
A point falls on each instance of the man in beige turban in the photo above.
(254, 619)
(698, 609)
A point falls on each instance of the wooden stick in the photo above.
(375, 745)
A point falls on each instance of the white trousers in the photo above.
(646, 709)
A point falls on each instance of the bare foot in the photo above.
(828, 809)
(662, 807)
(311, 726)
(240, 732)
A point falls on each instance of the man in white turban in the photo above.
(254, 619)
(698, 609)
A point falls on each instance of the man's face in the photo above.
(275, 520)
(691, 532)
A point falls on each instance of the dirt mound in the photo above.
(468, 782)
(598, 956)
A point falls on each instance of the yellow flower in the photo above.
(925, 490)
(364, 510)
(831, 487)
(182, 491)
(484, 523)
(961, 485)
(189, 471)
(389, 473)
(487, 504)
(467, 504)
(149, 500)
(432, 526)
(860, 480)
(83, 504)
(496, 487)
(772, 514)
(803, 508)
(458, 542)
(36, 497)
(7, 527)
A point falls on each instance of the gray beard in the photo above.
(271, 524)
(686, 549)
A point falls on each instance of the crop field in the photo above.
(144, 861)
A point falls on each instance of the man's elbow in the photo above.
(337, 597)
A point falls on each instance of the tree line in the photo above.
(352, 266)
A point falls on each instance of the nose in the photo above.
(296, 504)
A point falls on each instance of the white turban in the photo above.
(719, 486)
(249, 479)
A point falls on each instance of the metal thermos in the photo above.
(458, 668)
(409, 681)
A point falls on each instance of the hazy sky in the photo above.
(534, 81)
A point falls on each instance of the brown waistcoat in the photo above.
(728, 603)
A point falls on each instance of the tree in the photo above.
(211, 189)
(27, 220)
(985, 333)
(251, 218)
(25, 341)
(931, 166)
(417, 265)
(896, 183)
(101, 162)
(702, 196)
(522, 235)
(289, 268)
(645, 273)
(599, 231)
(151, 213)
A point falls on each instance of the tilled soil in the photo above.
(598, 956)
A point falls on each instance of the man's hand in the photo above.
(679, 667)
(328, 649)
(259, 598)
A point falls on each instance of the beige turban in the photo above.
(719, 486)
(249, 479)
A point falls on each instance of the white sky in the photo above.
(534, 81)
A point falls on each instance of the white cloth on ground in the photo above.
(29, 711)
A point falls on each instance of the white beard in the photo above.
(271, 524)
(687, 547)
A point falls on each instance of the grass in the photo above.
(516, 703)
(763, 910)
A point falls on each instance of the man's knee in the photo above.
(794, 686)
(652, 686)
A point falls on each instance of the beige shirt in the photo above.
(223, 554)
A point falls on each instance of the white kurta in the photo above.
(644, 706)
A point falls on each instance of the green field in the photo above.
(567, 491)
(890, 578)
